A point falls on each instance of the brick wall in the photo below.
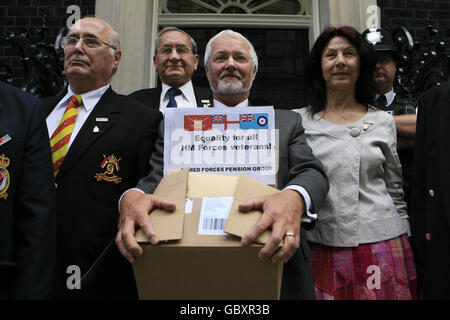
(17, 14)
(412, 14)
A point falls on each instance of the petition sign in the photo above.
(229, 141)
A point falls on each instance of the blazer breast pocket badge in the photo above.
(4, 176)
(111, 166)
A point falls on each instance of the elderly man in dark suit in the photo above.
(430, 214)
(231, 66)
(101, 142)
(175, 60)
(27, 199)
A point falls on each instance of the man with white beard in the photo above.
(231, 65)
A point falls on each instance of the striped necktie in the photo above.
(61, 137)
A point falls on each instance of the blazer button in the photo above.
(431, 192)
(56, 185)
(428, 236)
(355, 132)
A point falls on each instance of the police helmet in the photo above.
(381, 41)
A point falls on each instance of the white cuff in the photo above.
(309, 215)
(120, 199)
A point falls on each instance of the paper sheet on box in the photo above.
(188, 206)
(214, 215)
(229, 142)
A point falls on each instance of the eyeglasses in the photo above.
(222, 57)
(89, 42)
(181, 50)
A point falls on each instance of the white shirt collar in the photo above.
(390, 96)
(218, 104)
(186, 89)
(90, 99)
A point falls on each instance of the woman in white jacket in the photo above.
(360, 246)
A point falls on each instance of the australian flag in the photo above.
(254, 121)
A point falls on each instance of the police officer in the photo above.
(403, 110)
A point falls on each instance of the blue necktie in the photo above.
(172, 94)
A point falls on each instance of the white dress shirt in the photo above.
(90, 100)
(184, 100)
(390, 96)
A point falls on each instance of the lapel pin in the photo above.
(206, 103)
(96, 130)
(101, 119)
(367, 124)
(5, 139)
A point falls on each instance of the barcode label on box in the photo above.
(214, 224)
(214, 215)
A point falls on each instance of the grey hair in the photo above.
(166, 29)
(115, 40)
(236, 35)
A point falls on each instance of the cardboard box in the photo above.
(186, 265)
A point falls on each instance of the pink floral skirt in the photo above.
(376, 271)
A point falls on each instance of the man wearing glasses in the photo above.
(231, 66)
(101, 142)
(175, 60)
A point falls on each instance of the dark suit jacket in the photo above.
(27, 217)
(87, 211)
(152, 97)
(430, 197)
(297, 166)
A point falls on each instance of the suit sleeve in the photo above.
(149, 183)
(34, 213)
(305, 169)
(393, 173)
(147, 146)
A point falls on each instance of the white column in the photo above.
(360, 14)
(135, 21)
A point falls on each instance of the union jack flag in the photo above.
(218, 118)
(247, 118)
(254, 121)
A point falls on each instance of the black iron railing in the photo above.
(42, 61)
(423, 63)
